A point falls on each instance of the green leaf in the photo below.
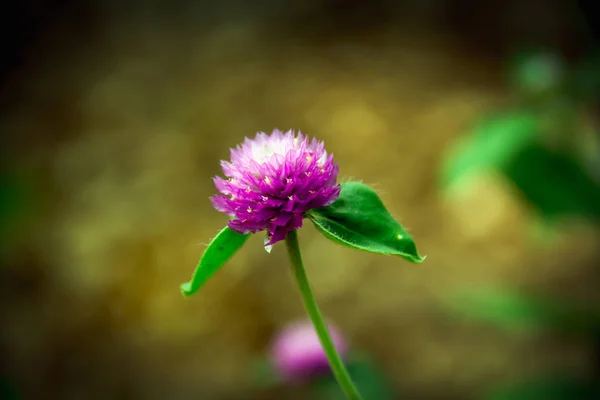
(218, 252)
(358, 219)
(550, 388)
(516, 312)
(555, 183)
(491, 145)
(552, 181)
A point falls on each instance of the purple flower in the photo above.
(298, 355)
(273, 180)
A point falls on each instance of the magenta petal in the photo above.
(289, 205)
(276, 235)
(282, 219)
(222, 203)
(236, 226)
(295, 222)
(222, 185)
(274, 180)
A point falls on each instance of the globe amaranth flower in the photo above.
(297, 353)
(273, 180)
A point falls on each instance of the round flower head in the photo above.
(273, 180)
(298, 355)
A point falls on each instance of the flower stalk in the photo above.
(335, 361)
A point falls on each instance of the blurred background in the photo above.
(477, 123)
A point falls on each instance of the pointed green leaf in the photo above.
(359, 219)
(218, 252)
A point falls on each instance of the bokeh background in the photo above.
(114, 117)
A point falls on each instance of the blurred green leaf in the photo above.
(491, 145)
(551, 388)
(537, 73)
(219, 251)
(368, 379)
(358, 219)
(552, 181)
(516, 312)
(555, 183)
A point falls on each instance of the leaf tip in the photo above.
(186, 289)
(415, 258)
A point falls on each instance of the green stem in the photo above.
(335, 361)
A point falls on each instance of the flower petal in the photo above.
(273, 180)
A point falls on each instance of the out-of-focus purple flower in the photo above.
(273, 180)
(298, 355)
